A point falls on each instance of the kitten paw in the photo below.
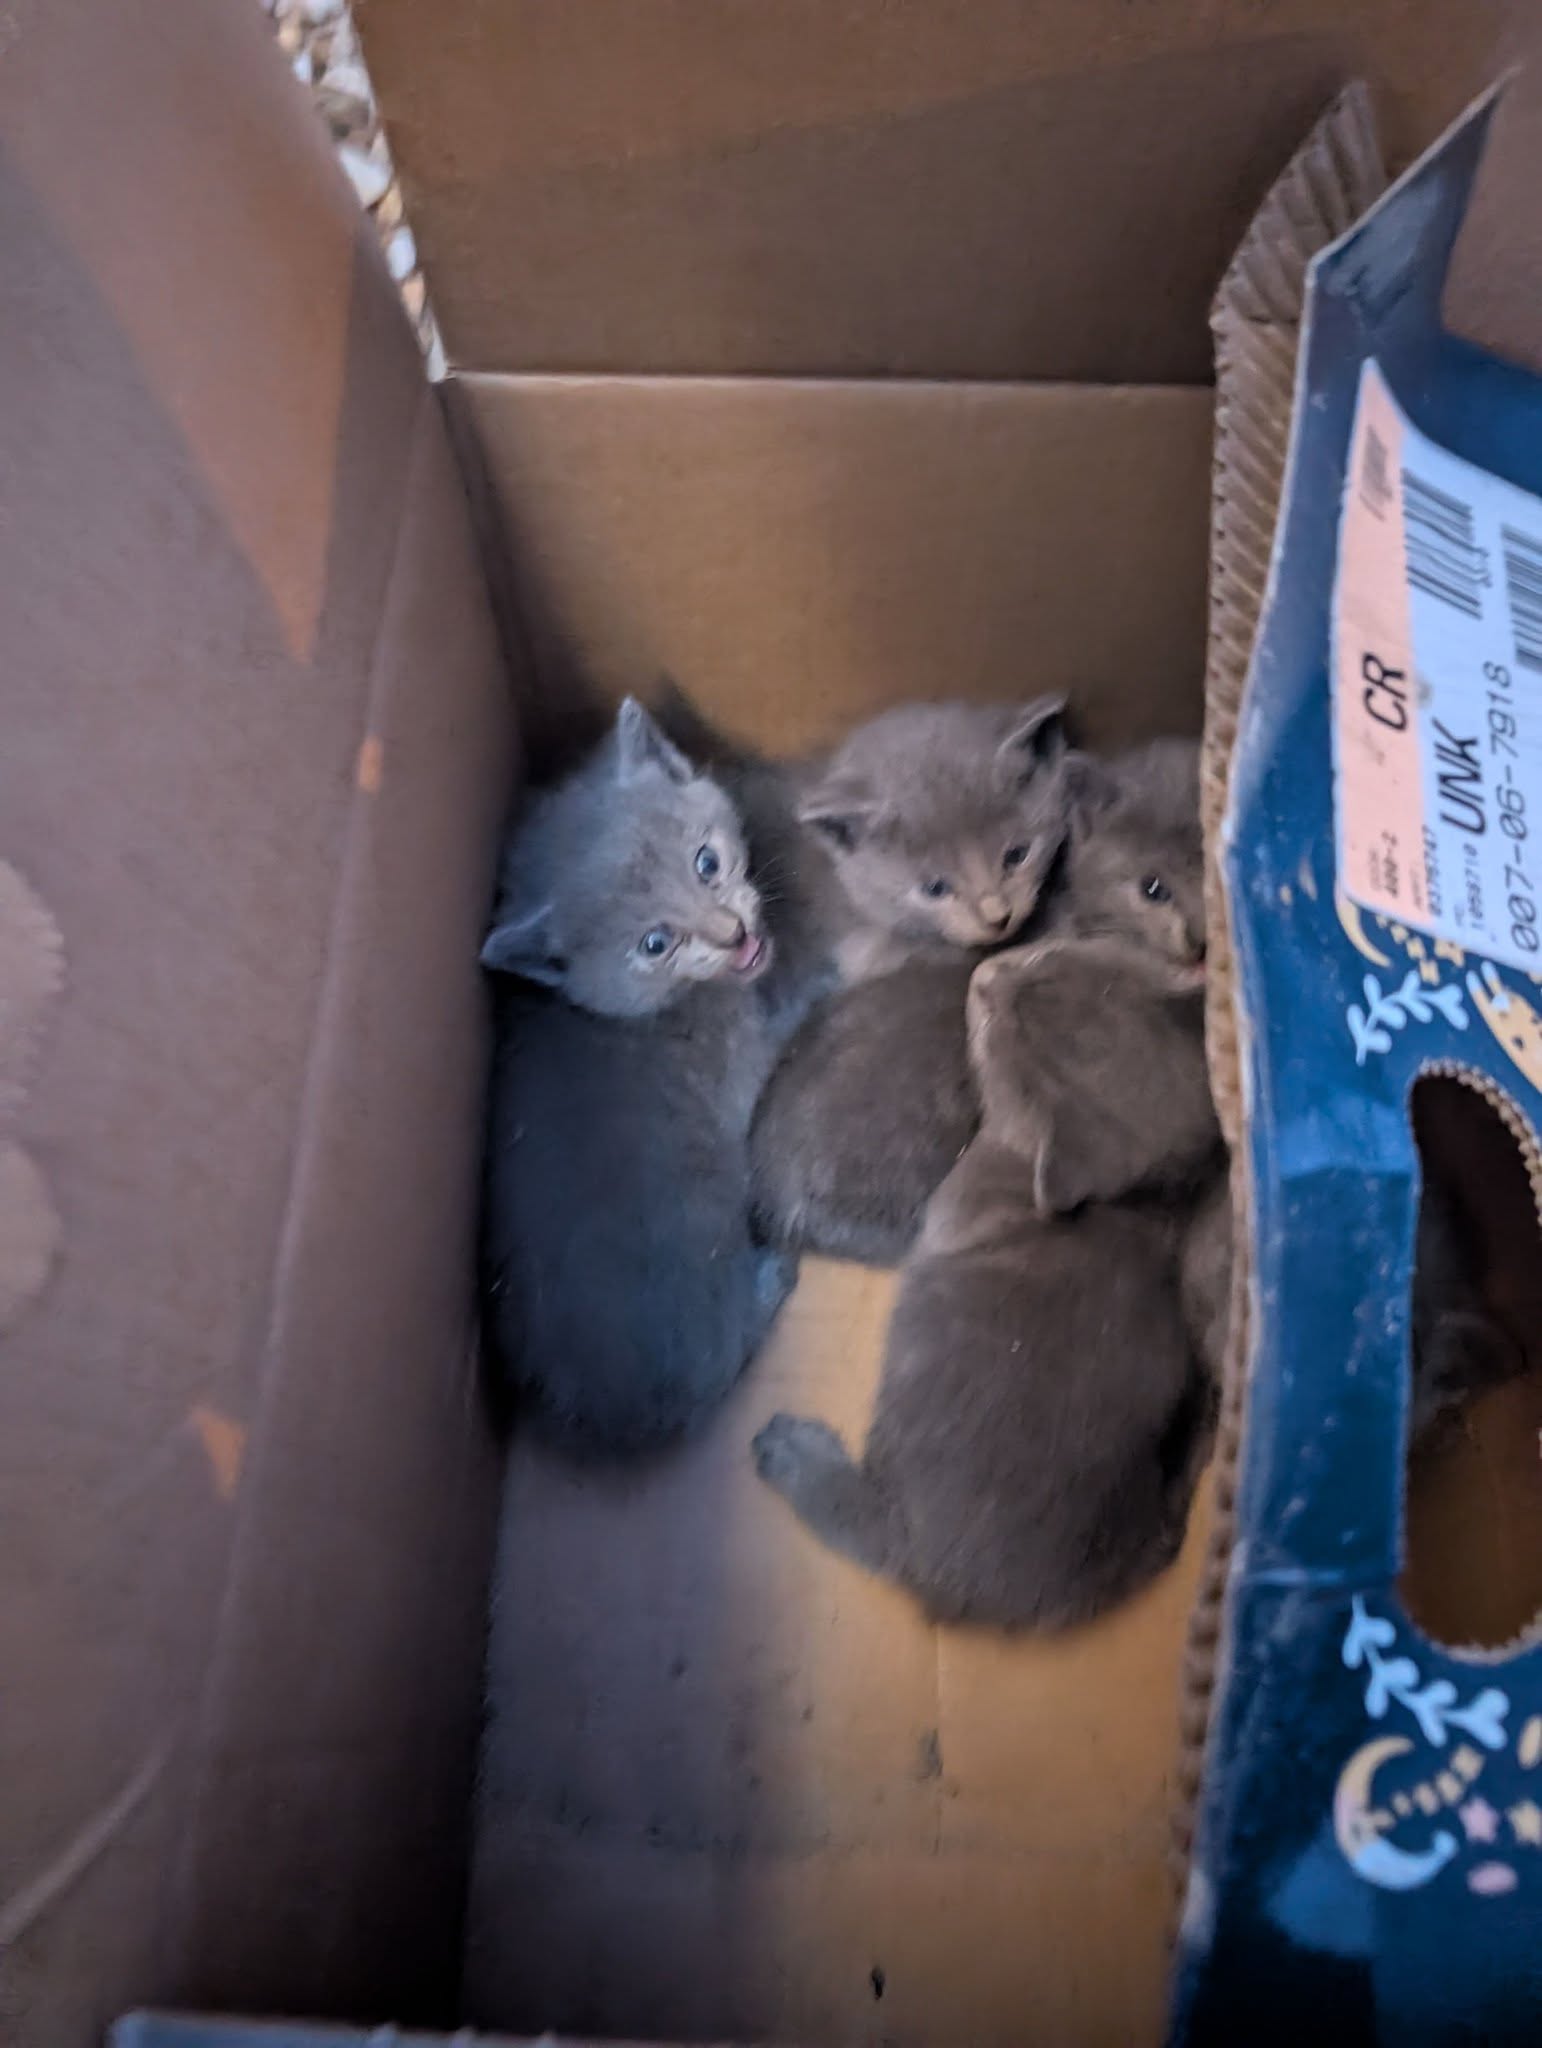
(790, 1443)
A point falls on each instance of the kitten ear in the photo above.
(1090, 789)
(841, 810)
(1036, 740)
(1082, 1157)
(641, 743)
(523, 943)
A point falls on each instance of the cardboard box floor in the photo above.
(259, 736)
(751, 1796)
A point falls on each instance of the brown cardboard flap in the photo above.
(338, 1729)
(218, 236)
(847, 187)
(1494, 285)
(215, 465)
(798, 555)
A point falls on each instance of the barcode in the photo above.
(1444, 560)
(1523, 587)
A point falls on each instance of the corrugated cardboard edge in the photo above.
(1256, 322)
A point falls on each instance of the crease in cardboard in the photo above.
(309, 1122)
(889, 539)
(91, 1841)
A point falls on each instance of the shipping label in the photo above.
(1437, 684)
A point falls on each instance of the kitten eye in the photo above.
(655, 944)
(937, 888)
(708, 866)
(1014, 856)
(1155, 890)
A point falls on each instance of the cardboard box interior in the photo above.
(819, 357)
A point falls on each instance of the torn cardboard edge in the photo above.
(1256, 322)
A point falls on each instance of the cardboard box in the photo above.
(1368, 1829)
(824, 352)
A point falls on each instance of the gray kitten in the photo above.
(1148, 801)
(790, 864)
(941, 823)
(1042, 1410)
(624, 1290)
(1101, 1097)
(874, 1099)
(1090, 1062)
(628, 881)
(1045, 1404)
(1134, 862)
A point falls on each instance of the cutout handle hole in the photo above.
(1472, 1579)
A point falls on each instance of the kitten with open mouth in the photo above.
(624, 1290)
(629, 882)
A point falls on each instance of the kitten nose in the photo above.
(738, 935)
(994, 914)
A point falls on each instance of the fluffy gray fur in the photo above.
(1134, 821)
(801, 899)
(1041, 1413)
(625, 1292)
(1044, 1404)
(798, 900)
(1093, 1067)
(1095, 1032)
(874, 1099)
(942, 822)
(629, 881)
(869, 1108)
(624, 1289)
